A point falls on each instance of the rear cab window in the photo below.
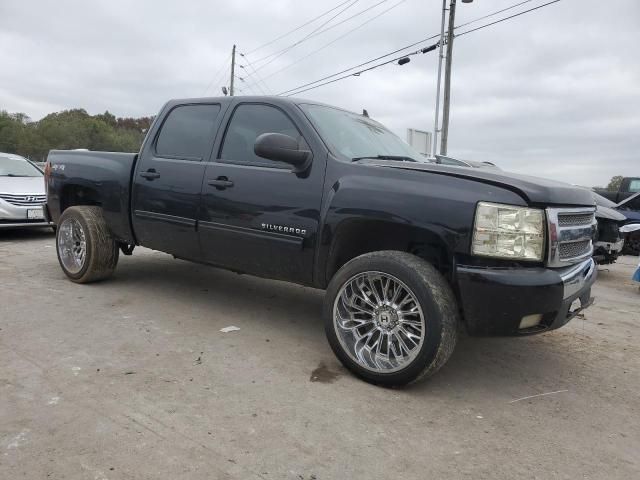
(187, 132)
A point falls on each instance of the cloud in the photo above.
(554, 93)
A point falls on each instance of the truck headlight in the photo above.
(507, 231)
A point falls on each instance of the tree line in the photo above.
(70, 129)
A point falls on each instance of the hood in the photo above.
(22, 185)
(609, 214)
(628, 199)
(532, 189)
(632, 216)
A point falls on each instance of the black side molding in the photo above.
(161, 217)
(243, 232)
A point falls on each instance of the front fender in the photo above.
(398, 209)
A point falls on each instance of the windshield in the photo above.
(15, 166)
(355, 136)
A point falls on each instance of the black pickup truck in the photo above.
(407, 250)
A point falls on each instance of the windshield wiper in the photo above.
(12, 175)
(400, 158)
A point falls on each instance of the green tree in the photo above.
(615, 183)
(70, 129)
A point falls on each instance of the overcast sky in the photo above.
(555, 92)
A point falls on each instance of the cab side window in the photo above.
(187, 132)
(248, 122)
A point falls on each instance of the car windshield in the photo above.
(354, 136)
(15, 166)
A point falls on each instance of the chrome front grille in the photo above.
(574, 249)
(571, 233)
(573, 219)
(24, 200)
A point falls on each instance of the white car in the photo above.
(22, 193)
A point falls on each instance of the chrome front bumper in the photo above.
(578, 277)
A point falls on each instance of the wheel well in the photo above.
(73, 195)
(363, 236)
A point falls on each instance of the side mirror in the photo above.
(282, 148)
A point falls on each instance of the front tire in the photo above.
(87, 251)
(391, 318)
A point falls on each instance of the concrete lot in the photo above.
(132, 378)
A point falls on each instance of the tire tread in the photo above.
(102, 252)
(440, 292)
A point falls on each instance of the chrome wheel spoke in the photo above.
(72, 245)
(379, 322)
(372, 288)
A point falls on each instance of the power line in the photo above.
(251, 85)
(363, 63)
(356, 74)
(270, 42)
(246, 86)
(257, 75)
(256, 81)
(297, 90)
(323, 31)
(507, 18)
(492, 14)
(295, 62)
(273, 56)
(216, 76)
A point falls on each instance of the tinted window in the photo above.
(249, 122)
(634, 185)
(187, 132)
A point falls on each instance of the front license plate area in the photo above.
(35, 214)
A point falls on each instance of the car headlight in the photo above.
(507, 231)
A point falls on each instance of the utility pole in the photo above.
(440, 56)
(447, 77)
(233, 68)
(447, 80)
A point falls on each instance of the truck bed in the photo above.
(99, 178)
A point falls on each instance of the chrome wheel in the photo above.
(72, 245)
(379, 322)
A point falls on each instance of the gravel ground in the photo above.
(132, 378)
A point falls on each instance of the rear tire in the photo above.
(391, 318)
(87, 251)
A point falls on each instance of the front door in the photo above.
(258, 216)
(168, 180)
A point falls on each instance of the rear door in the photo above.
(258, 216)
(168, 179)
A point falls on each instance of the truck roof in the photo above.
(274, 99)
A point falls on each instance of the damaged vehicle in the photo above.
(407, 250)
(608, 241)
(630, 208)
(628, 187)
